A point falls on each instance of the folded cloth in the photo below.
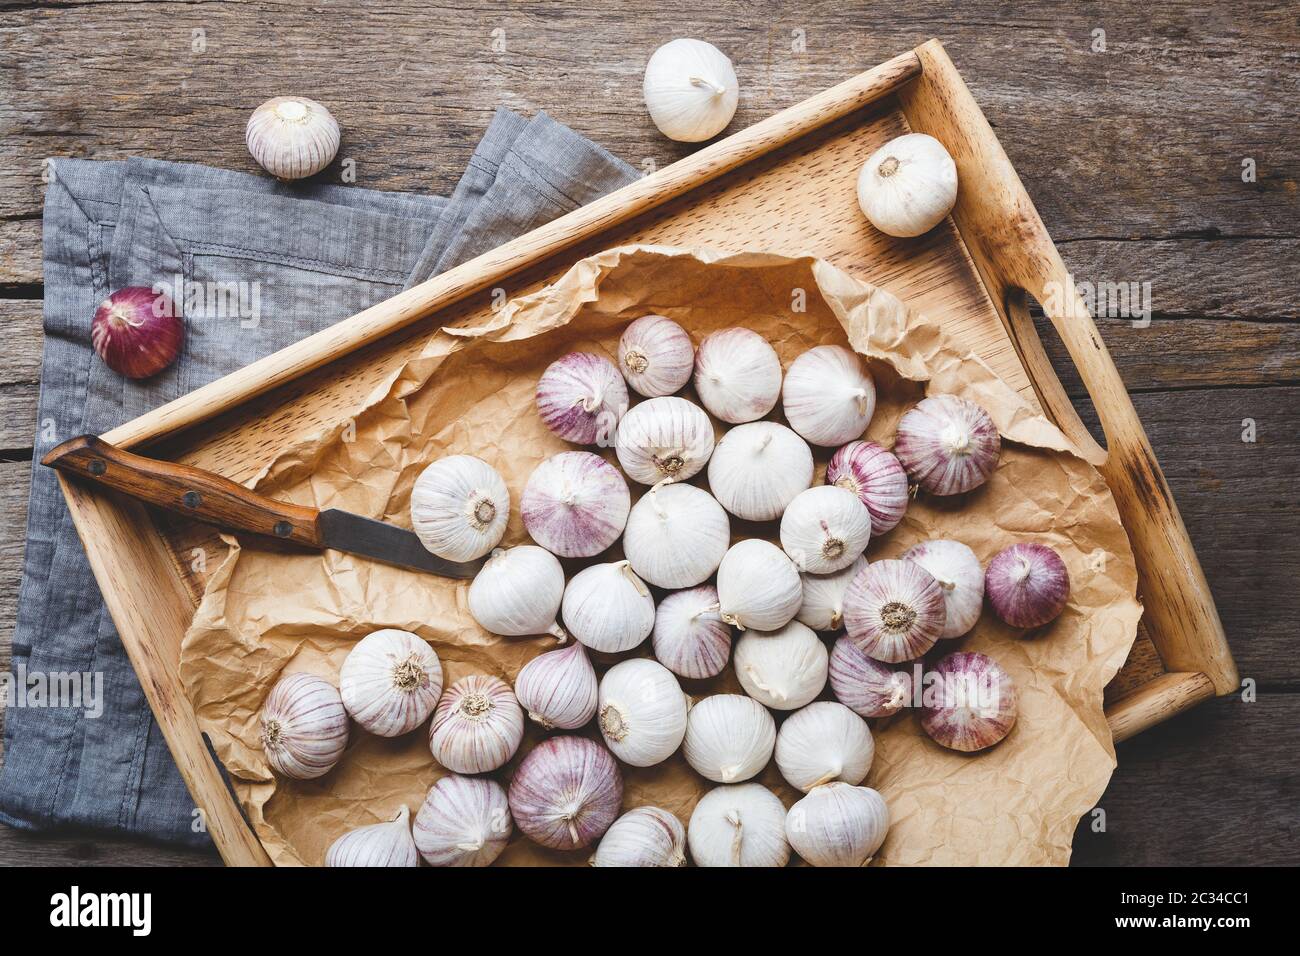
(255, 265)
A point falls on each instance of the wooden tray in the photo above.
(783, 185)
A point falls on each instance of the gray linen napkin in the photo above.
(262, 264)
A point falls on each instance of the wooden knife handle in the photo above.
(189, 491)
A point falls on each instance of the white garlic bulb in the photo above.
(656, 356)
(959, 574)
(292, 137)
(609, 608)
(908, 186)
(828, 397)
(676, 535)
(464, 821)
(782, 669)
(838, 824)
(690, 637)
(646, 836)
(740, 825)
(304, 726)
(662, 438)
(575, 504)
(823, 597)
(729, 737)
(758, 468)
(825, 529)
(390, 682)
(559, 688)
(477, 725)
(737, 375)
(380, 844)
(459, 507)
(518, 591)
(642, 712)
(823, 742)
(758, 586)
(690, 90)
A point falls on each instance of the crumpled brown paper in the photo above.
(471, 391)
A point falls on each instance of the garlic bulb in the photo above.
(581, 397)
(464, 821)
(823, 597)
(292, 137)
(609, 608)
(825, 529)
(838, 824)
(960, 576)
(690, 637)
(380, 844)
(477, 726)
(782, 669)
(970, 704)
(729, 737)
(758, 586)
(566, 792)
(823, 742)
(908, 186)
(664, 438)
(895, 611)
(876, 477)
(866, 686)
(828, 397)
(757, 469)
(575, 504)
(646, 836)
(676, 535)
(690, 90)
(947, 444)
(517, 592)
(741, 825)
(559, 688)
(656, 356)
(737, 375)
(642, 712)
(459, 507)
(390, 682)
(1028, 585)
(304, 726)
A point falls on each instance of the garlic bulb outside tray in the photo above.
(459, 507)
(824, 741)
(690, 637)
(656, 356)
(477, 725)
(828, 397)
(292, 137)
(838, 824)
(738, 825)
(758, 586)
(825, 529)
(304, 726)
(729, 737)
(608, 608)
(464, 821)
(908, 186)
(390, 682)
(380, 844)
(666, 437)
(737, 375)
(566, 792)
(646, 836)
(676, 535)
(559, 688)
(823, 597)
(690, 89)
(575, 504)
(758, 469)
(517, 592)
(783, 669)
(959, 574)
(642, 712)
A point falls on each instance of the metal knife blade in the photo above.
(345, 531)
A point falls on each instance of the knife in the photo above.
(219, 501)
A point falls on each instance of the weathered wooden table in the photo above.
(1157, 139)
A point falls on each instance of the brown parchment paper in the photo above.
(471, 391)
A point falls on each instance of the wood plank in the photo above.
(20, 250)
(93, 849)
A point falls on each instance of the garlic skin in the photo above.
(948, 445)
(828, 397)
(1028, 585)
(459, 507)
(908, 186)
(823, 742)
(380, 844)
(646, 836)
(642, 712)
(608, 608)
(866, 686)
(676, 535)
(477, 725)
(566, 793)
(823, 597)
(783, 669)
(517, 592)
(895, 611)
(960, 576)
(292, 137)
(656, 356)
(971, 702)
(737, 375)
(559, 688)
(758, 469)
(390, 682)
(729, 737)
(464, 821)
(825, 529)
(575, 504)
(690, 89)
(740, 825)
(664, 438)
(758, 586)
(581, 397)
(304, 726)
(838, 824)
(690, 637)
(876, 477)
